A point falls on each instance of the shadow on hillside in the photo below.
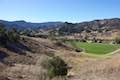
(2, 56)
(17, 48)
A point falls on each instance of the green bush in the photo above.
(56, 67)
(78, 50)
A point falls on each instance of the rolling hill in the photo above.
(95, 25)
(28, 25)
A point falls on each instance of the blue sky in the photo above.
(58, 10)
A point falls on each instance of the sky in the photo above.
(58, 10)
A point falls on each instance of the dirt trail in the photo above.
(114, 52)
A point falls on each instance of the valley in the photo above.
(66, 51)
(60, 40)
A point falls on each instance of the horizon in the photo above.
(59, 21)
(63, 11)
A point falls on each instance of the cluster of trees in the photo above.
(8, 35)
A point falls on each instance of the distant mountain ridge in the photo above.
(65, 27)
(28, 25)
(90, 26)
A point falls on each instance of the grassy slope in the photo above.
(95, 48)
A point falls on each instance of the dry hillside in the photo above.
(25, 65)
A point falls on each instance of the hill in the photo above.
(96, 25)
(105, 24)
(21, 25)
(21, 57)
(27, 66)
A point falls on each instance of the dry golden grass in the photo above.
(83, 66)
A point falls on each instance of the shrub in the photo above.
(8, 35)
(59, 43)
(78, 50)
(83, 40)
(56, 67)
(13, 35)
(117, 40)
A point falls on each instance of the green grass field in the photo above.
(94, 48)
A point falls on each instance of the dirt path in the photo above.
(114, 52)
